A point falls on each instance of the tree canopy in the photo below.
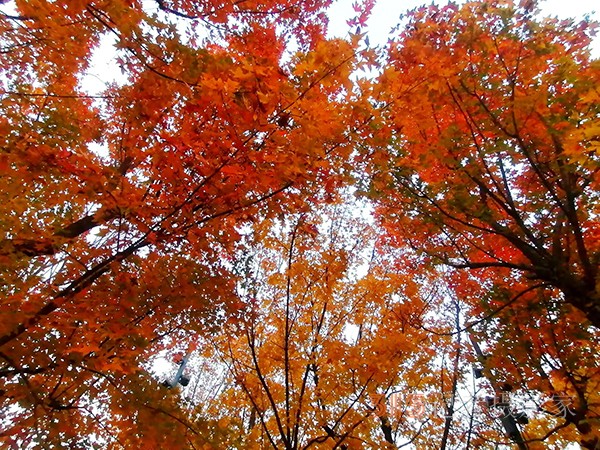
(354, 246)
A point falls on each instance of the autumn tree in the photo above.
(484, 160)
(332, 350)
(116, 207)
(182, 205)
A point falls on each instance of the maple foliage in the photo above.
(202, 204)
(117, 207)
(484, 160)
(319, 353)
